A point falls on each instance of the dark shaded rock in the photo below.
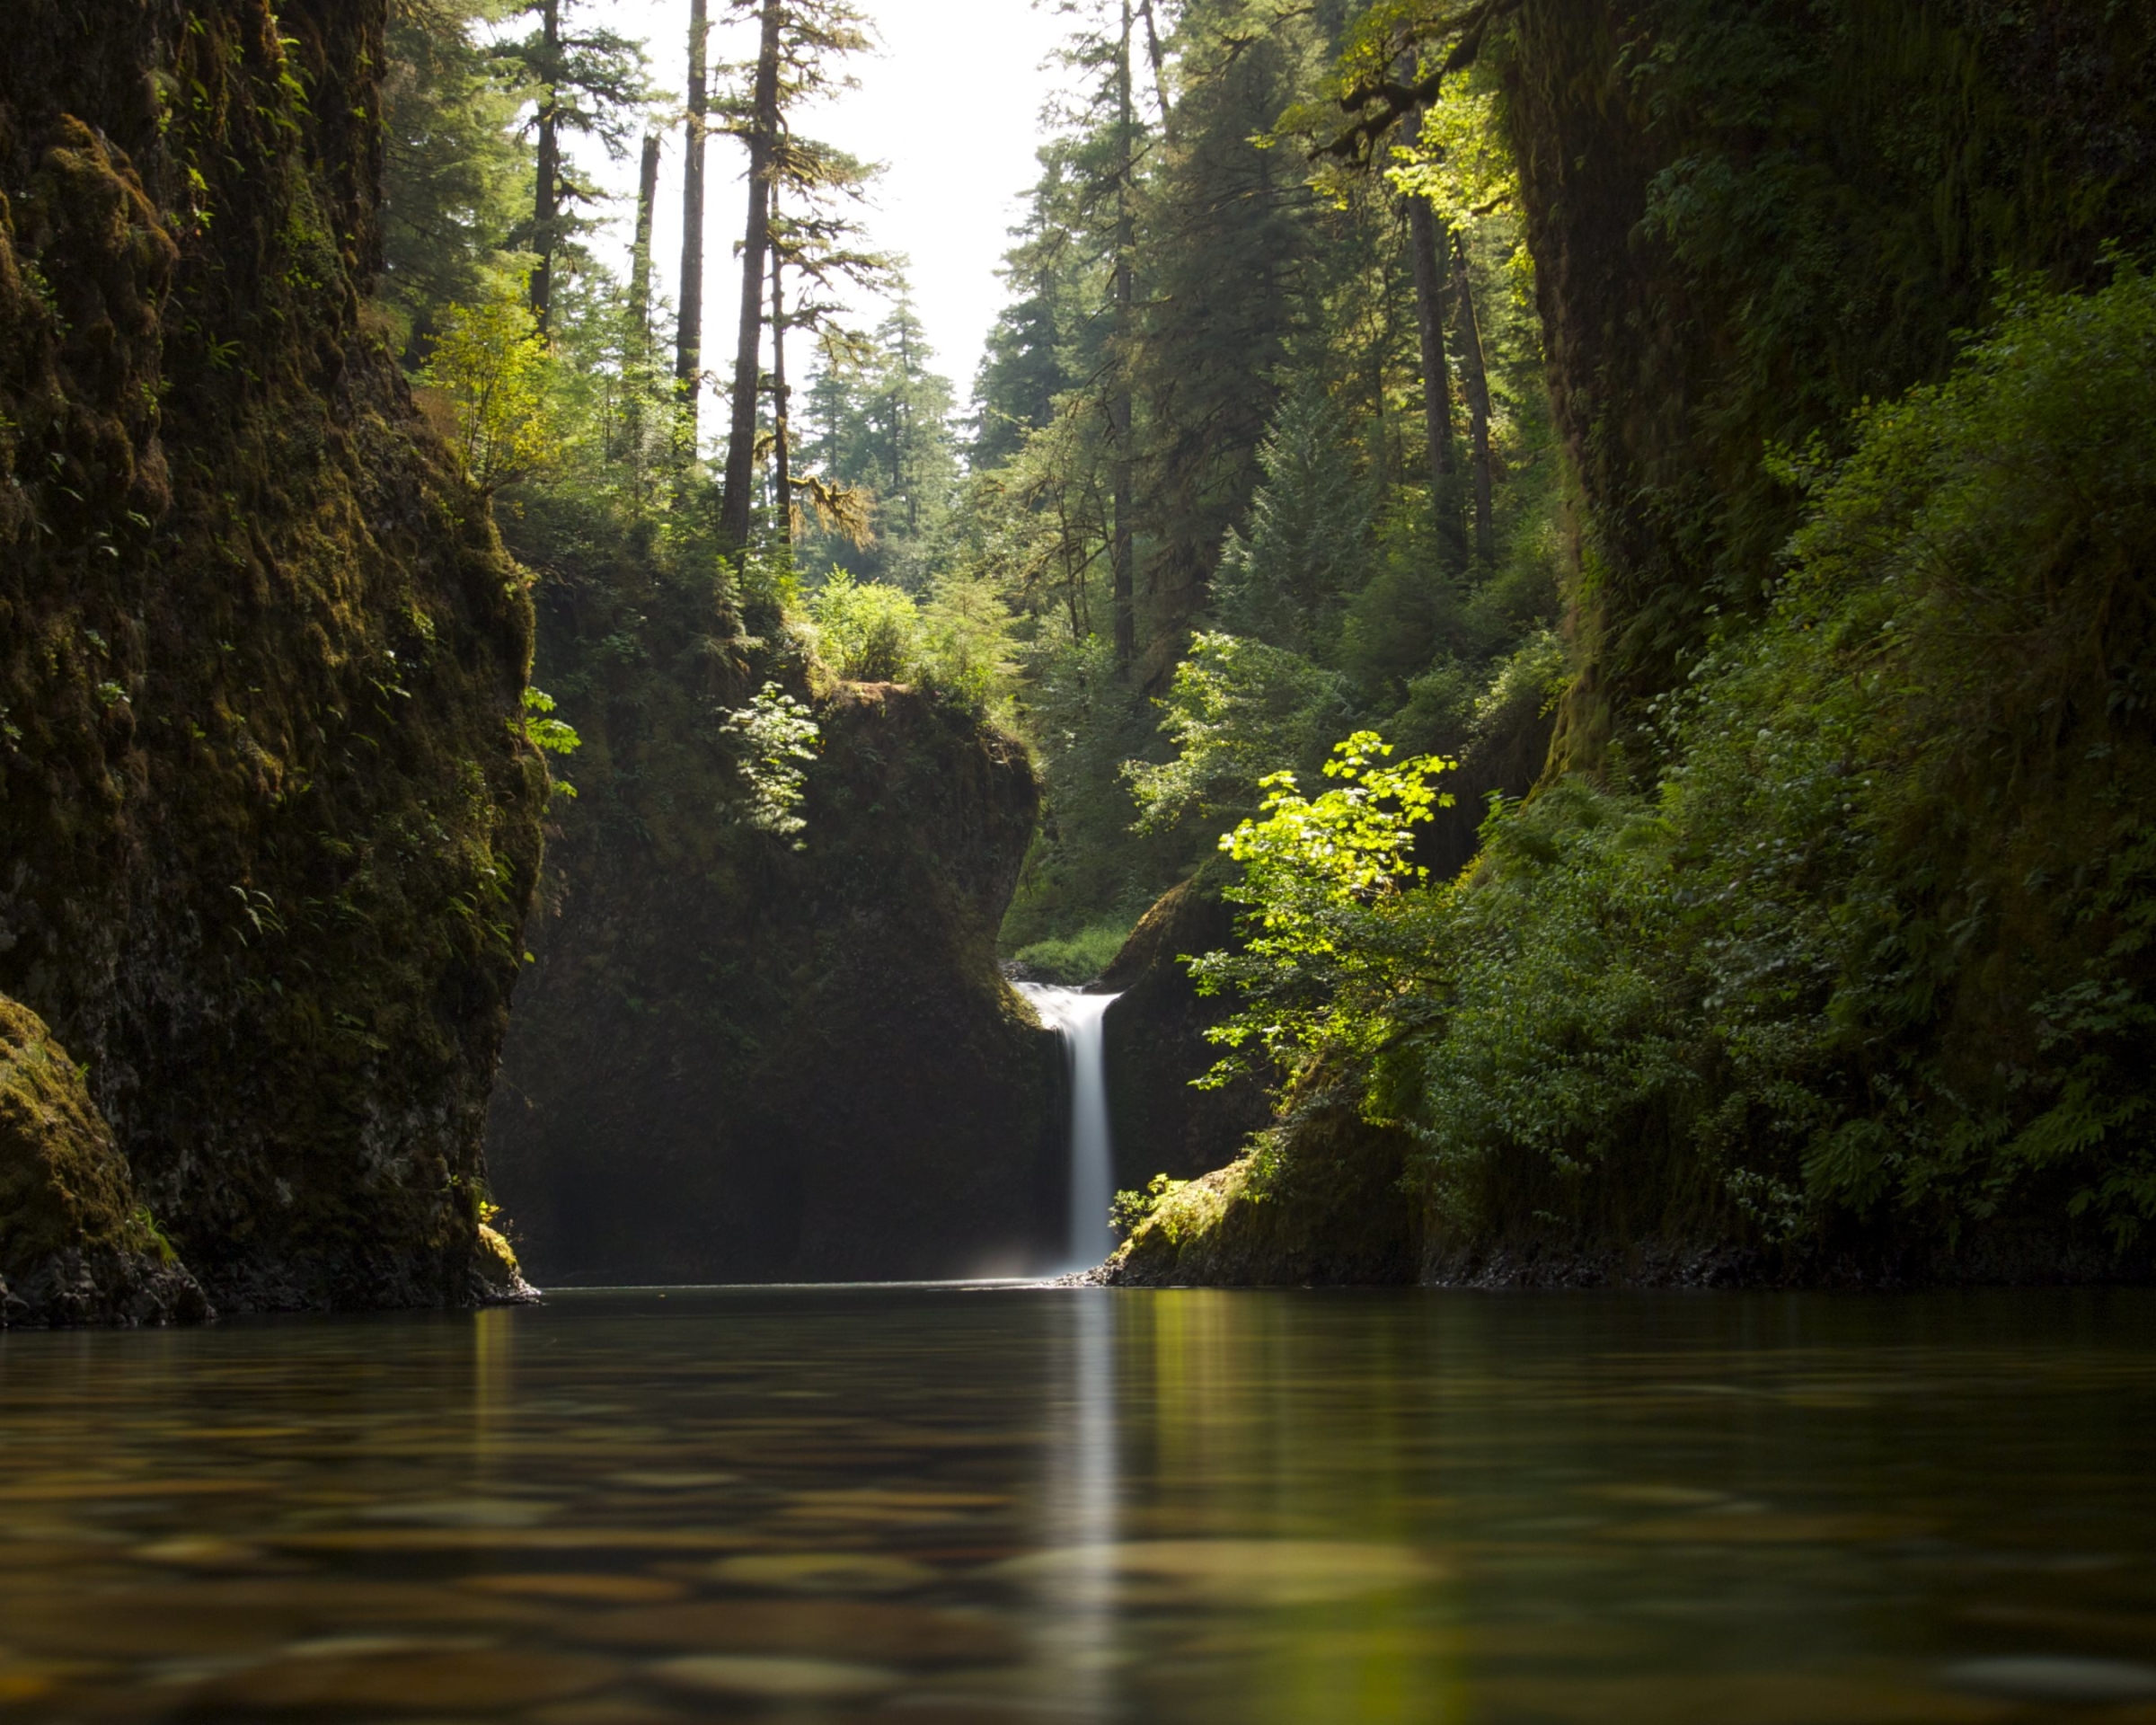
(77, 1245)
(1321, 1204)
(270, 823)
(737, 1060)
(1154, 1042)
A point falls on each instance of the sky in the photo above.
(952, 103)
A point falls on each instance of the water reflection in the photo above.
(1085, 1505)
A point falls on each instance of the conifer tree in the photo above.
(588, 83)
(800, 44)
(688, 330)
(453, 173)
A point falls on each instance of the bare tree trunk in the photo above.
(1159, 71)
(689, 337)
(781, 462)
(637, 344)
(1475, 382)
(1119, 404)
(640, 258)
(1428, 255)
(547, 197)
(735, 511)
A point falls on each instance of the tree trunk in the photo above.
(1475, 382)
(1118, 405)
(636, 381)
(639, 261)
(688, 340)
(547, 197)
(1430, 246)
(735, 512)
(781, 462)
(1160, 71)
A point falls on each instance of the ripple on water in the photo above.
(2041, 1677)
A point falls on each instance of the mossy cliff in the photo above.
(269, 824)
(1747, 218)
(738, 1059)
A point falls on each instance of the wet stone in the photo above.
(442, 1681)
(775, 1679)
(823, 1571)
(862, 1629)
(1247, 1571)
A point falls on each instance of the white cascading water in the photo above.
(1075, 1016)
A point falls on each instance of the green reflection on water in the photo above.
(1043, 1505)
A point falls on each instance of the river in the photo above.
(1026, 1506)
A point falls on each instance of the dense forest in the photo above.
(1556, 591)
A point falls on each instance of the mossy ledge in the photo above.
(77, 1245)
(271, 829)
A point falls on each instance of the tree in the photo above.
(590, 83)
(812, 237)
(1232, 247)
(489, 364)
(798, 45)
(1428, 245)
(1026, 364)
(453, 174)
(885, 437)
(688, 335)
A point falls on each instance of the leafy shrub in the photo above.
(1078, 959)
(1237, 710)
(776, 736)
(1880, 944)
(866, 631)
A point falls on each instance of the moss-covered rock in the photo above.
(270, 823)
(77, 1245)
(1318, 1203)
(735, 1059)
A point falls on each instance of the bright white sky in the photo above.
(951, 104)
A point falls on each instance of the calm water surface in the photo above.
(1020, 1506)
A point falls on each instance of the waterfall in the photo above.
(1075, 1017)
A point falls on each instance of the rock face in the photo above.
(1749, 216)
(1327, 1212)
(75, 1244)
(1154, 1038)
(268, 821)
(737, 1060)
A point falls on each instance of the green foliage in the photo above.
(1130, 1211)
(555, 735)
(957, 642)
(1327, 882)
(1237, 710)
(455, 178)
(866, 631)
(1305, 551)
(1077, 958)
(495, 374)
(1879, 946)
(776, 735)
